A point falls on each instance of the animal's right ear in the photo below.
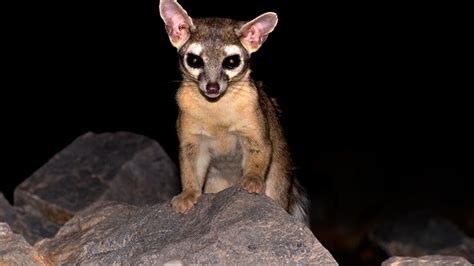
(178, 23)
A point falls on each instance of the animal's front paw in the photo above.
(253, 184)
(183, 202)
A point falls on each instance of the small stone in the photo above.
(427, 261)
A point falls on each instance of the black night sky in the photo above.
(374, 96)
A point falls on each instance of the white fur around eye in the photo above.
(194, 48)
(234, 72)
(234, 50)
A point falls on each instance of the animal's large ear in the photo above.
(255, 32)
(178, 23)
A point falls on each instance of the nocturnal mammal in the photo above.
(228, 128)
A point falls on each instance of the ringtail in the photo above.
(228, 128)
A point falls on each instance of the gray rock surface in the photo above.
(27, 222)
(14, 250)
(32, 225)
(7, 213)
(435, 260)
(420, 234)
(122, 166)
(231, 227)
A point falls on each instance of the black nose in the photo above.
(212, 88)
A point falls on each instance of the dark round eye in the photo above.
(194, 61)
(231, 62)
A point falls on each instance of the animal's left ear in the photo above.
(255, 32)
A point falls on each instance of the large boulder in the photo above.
(122, 166)
(231, 227)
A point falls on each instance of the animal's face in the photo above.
(214, 52)
(213, 56)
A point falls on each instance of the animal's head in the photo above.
(214, 52)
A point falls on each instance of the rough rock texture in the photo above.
(109, 166)
(417, 235)
(26, 221)
(7, 213)
(14, 250)
(427, 261)
(32, 225)
(231, 227)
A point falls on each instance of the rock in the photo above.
(427, 261)
(27, 222)
(14, 250)
(419, 234)
(121, 166)
(230, 227)
(32, 225)
(7, 213)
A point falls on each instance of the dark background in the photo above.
(374, 98)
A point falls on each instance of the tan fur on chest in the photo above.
(219, 123)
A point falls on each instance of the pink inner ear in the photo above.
(179, 28)
(255, 32)
(253, 36)
(176, 21)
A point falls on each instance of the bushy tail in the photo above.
(299, 207)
